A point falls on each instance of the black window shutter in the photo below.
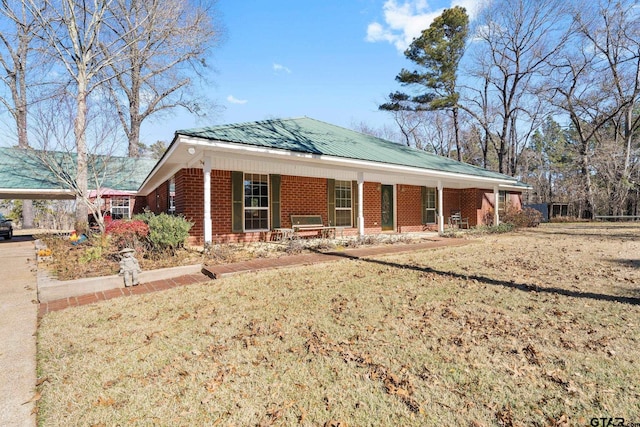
(275, 200)
(354, 202)
(423, 193)
(237, 194)
(331, 198)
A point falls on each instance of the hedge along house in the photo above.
(239, 182)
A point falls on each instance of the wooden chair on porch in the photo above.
(456, 220)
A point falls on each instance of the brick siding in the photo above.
(303, 196)
(409, 208)
(308, 196)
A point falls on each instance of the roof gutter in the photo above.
(35, 194)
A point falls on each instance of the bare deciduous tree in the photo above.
(612, 30)
(16, 48)
(78, 35)
(165, 42)
(57, 155)
(582, 86)
(514, 40)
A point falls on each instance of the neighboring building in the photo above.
(31, 174)
(239, 182)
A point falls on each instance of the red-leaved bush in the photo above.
(127, 233)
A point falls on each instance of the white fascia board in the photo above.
(36, 193)
(520, 188)
(172, 147)
(323, 159)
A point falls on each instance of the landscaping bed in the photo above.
(94, 258)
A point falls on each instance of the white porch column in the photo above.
(361, 204)
(440, 209)
(496, 214)
(206, 169)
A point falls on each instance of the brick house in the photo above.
(239, 182)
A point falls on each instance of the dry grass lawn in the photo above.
(538, 327)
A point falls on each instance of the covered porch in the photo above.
(235, 192)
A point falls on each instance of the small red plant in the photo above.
(127, 234)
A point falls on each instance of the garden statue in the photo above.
(129, 267)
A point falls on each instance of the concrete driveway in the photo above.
(18, 321)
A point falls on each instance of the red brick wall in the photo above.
(486, 202)
(409, 208)
(450, 202)
(158, 200)
(302, 196)
(189, 200)
(139, 204)
(372, 207)
(308, 196)
(220, 203)
(515, 200)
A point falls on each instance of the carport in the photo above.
(37, 175)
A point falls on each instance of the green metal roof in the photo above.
(311, 136)
(32, 170)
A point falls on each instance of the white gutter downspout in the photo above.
(440, 209)
(206, 169)
(361, 204)
(496, 214)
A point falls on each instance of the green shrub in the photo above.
(503, 227)
(166, 232)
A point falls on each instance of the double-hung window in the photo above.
(172, 196)
(256, 202)
(120, 208)
(430, 203)
(343, 204)
(502, 202)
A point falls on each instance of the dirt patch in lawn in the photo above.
(539, 327)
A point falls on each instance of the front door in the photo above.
(387, 207)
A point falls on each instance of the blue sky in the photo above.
(332, 60)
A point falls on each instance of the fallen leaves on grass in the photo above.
(477, 336)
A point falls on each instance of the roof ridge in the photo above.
(241, 124)
(75, 153)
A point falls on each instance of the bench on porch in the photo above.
(456, 220)
(305, 223)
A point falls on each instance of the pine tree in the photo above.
(437, 53)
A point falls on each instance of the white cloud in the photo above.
(473, 7)
(405, 21)
(234, 100)
(279, 67)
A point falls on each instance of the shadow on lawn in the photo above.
(525, 287)
(631, 232)
(634, 263)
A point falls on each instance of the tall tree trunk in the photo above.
(82, 210)
(23, 142)
(456, 130)
(589, 208)
(134, 138)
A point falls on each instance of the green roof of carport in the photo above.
(28, 170)
(311, 136)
